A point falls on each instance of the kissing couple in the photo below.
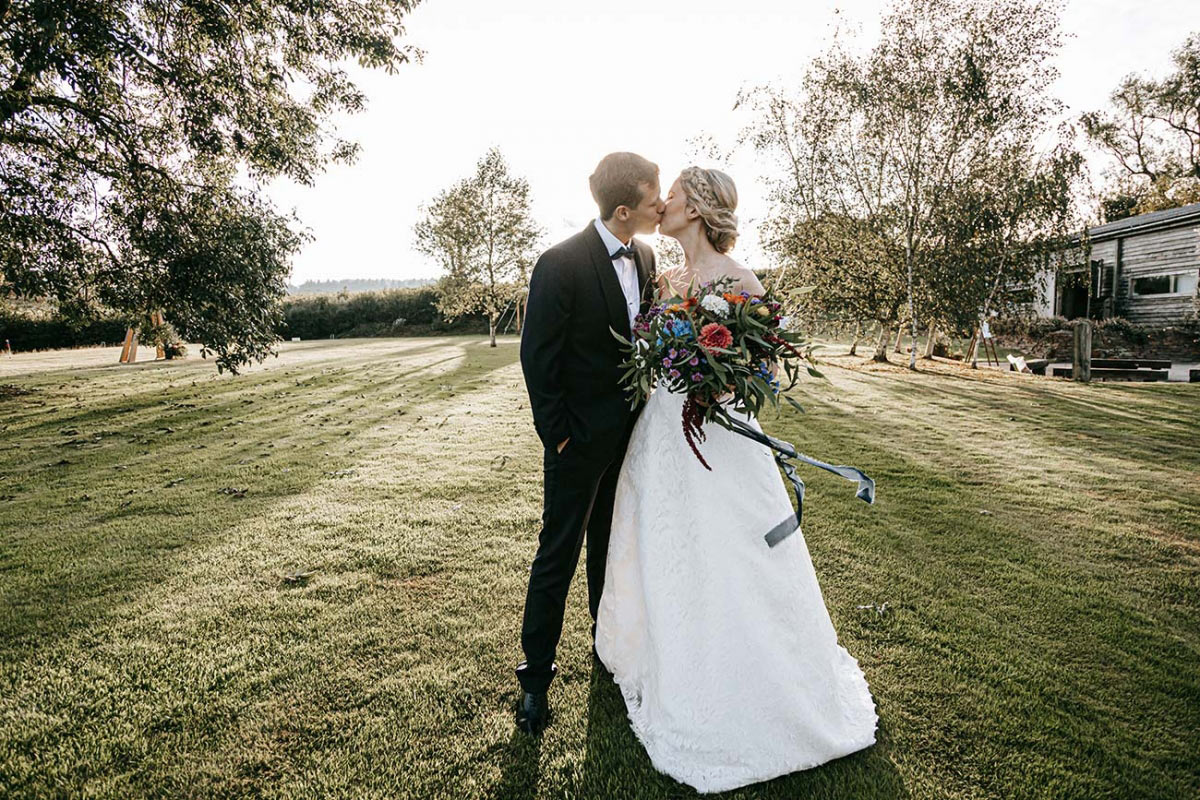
(722, 646)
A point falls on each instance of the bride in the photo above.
(721, 646)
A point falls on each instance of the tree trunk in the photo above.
(912, 339)
(854, 344)
(492, 328)
(909, 256)
(932, 338)
(899, 337)
(885, 335)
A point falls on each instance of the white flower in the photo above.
(715, 304)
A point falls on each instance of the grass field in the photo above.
(307, 581)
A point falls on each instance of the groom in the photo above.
(598, 279)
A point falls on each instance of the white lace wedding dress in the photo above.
(722, 646)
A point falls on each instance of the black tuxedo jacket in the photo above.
(570, 359)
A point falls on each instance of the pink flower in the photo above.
(715, 336)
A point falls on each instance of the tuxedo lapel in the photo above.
(644, 281)
(614, 298)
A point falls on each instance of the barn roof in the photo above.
(1155, 220)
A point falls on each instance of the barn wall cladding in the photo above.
(1144, 269)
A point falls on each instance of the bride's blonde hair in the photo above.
(713, 195)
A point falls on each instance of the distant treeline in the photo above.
(357, 285)
(35, 331)
(391, 312)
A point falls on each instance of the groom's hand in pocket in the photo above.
(563, 444)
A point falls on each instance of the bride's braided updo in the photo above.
(713, 195)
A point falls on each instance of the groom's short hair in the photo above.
(618, 181)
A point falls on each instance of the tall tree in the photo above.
(884, 139)
(134, 137)
(829, 228)
(1152, 133)
(1000, 231)
(481, 231)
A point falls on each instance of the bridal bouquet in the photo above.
(724, 350)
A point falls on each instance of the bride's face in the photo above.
(676, 214)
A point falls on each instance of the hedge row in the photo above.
(390, 312)
(41, 333)
(1116, 337)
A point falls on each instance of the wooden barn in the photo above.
(1143, 268)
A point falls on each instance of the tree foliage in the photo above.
(898, 168)
(134, 135)
(481, 232)
(1152, 132)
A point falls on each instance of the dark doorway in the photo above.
(1073, 299)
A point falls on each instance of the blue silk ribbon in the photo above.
(784, 453)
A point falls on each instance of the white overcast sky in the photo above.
(556, 85)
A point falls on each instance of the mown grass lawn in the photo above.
(1036, 543)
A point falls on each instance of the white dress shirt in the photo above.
(626, 271)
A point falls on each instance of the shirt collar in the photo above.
(610, 240)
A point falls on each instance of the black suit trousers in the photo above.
(580, 487)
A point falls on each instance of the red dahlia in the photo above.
(715, 336)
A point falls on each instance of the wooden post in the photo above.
(1081, 356)
(970, 354)
(129, 349)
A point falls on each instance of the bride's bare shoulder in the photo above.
(744, 280)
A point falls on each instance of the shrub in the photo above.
(1028, 326)
(27, 331)
(1130, 331)
(390, 312)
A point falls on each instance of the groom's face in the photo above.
(646, 216)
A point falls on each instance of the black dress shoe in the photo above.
(533, 712)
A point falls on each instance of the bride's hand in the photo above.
(668, 287)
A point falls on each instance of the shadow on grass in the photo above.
(229, 394)
(616, 765)
(519, 774)
(1110, 429)
(72, 573)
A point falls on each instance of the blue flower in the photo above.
(678, 327)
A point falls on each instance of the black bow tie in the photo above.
(622, 251)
